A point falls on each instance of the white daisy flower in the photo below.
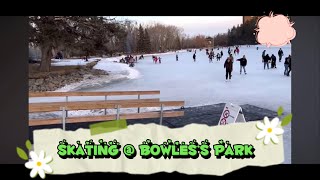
(270, 130)
(39, 165)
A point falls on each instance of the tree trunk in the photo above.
(46, 56)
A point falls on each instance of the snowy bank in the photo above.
(116, 72)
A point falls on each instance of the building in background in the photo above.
(246, 18)
(210, 43)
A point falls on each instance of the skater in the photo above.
(122, 60)
(289, 65)
(229, 51)
(263, 55)
(286, 66)
(131, 62)
(257, 48)
(228, 66)
(177, 57)
(156, 59)
(266, 61)
(159, 60)
(273, 61)
(231, 57)
(194, 57)
(243, 63)
(210, 57)
(218, 57)
(280, 54)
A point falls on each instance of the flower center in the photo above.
(38, 163)
(269, 130)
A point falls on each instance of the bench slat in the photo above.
(111, 93)
(145, 115)
(63, 103)
(102, 105)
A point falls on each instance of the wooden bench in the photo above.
(66, 106)
(102, 94)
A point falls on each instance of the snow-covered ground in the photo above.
(197, 83)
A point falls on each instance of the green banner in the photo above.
(108, 126)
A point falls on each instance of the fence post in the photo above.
(161, 114)
(105, 110)
(66, 102)
(63, 117)
(138, 99)
(118, 112)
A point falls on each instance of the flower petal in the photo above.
(33, 156)
(261, 134)
(274, 139)
(266, 121)
(29, 164)
(260, 125)
(266, 139)
(41, 155)
(274, 122)
(41, 173)
(47, 159)
(47, 168)
(278, 131)
(34, 172)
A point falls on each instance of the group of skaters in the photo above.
(156, 59)
(236, 51)
(266, 59)
(228, 65)
(211, 55)
(130, 60)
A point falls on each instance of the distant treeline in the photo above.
(99, 35)
(86, 36)
(238, 35)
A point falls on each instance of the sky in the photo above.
(192, 25)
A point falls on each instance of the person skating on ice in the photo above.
(273, 61)
(231, 57)
(228, 65)
(266, 61)
(263, 55)
(280, 54)
(177, 57)
(243, 64)
(218, 57)
(286, 66)
(289, 65)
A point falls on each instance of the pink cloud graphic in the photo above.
(275, 30)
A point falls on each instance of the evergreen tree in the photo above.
(140, 45)
(147, 42)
